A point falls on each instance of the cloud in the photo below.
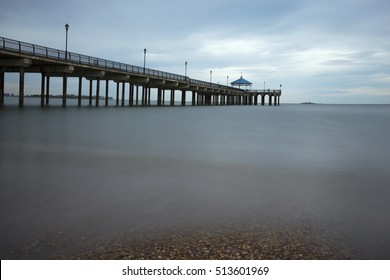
(311, 47)
(365, 91)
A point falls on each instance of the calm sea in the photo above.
(93, 173)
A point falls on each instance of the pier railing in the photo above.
(75, 58)
(265, 91)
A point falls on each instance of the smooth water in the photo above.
(93, 173)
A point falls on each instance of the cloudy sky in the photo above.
(326, 51)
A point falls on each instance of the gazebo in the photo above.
(241, 82)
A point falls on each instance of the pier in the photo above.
(133, 83)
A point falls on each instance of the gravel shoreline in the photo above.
(244, 243)
(219, 241)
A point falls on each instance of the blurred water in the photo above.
(97, 172)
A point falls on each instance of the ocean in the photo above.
(92, 174)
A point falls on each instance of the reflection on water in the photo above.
(95, 173)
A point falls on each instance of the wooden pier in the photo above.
(133, 83)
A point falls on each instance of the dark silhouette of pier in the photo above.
(133, 83)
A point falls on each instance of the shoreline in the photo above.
(268, 242)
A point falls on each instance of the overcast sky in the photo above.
(326, 51)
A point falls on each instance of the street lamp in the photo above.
(144, 60)
(66, 41)
(185, 71)
(227, 80)
(211, 76)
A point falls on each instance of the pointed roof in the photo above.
(241, 82)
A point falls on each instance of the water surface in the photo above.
(94, 173)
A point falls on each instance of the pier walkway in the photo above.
(22, 58)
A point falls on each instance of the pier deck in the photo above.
(22, 58)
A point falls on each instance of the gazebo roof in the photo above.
(241, 82)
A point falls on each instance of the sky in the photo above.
(324, 51)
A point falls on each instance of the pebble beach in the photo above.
(270, 242)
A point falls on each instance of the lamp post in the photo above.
(211, 76)
(144, 60)
(185, 71)
(66, 41)
(227, 80)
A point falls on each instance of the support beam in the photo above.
(47, 90)
(183, 97)
(97, 92)
(123, 93)
(80, 91)
(15, 62)
(143, 95)
(207, 99)
(193, 98)
(2, 75)
(139, 80)
(88, 74)
(90, 92)
(117, 94)
(131, 95)
(42, 89)
(172, 97)
(155, 83)
(159, 93)
(148, 102)
(136, 95)
(57, 70)
(116, 77)
(21, 87)
(64, 89)
(170, 84)
(106, 101)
